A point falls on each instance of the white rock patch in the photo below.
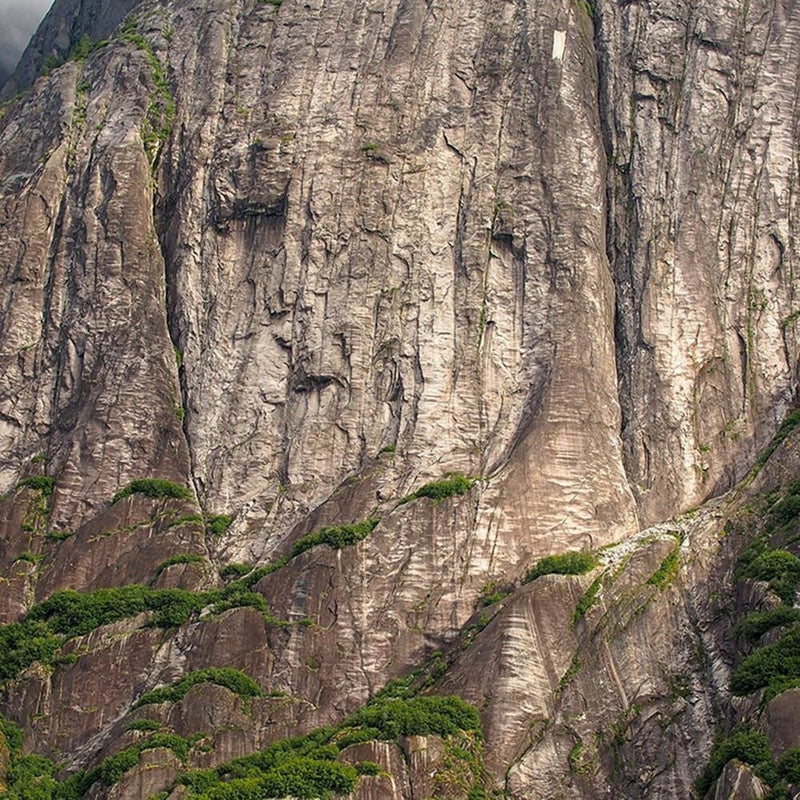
(559, 43)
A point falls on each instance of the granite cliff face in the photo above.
(303, 259)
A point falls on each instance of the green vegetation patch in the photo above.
(59, 536)
(493, 593)
(334, 536)
(80, 51)
(233, 679)
(235, 570)
(27, 556)
(788, 766)
(158, 122)
(668, 569)
(572, 563)
(305, 766)
(67, 614)
(32, 777)
(39, 483)
(780, 568)
(454, 483)
(749, 746)
(153, 487)
(788, 508)
(180, 558)
(588, 599)
(775, 666)
(755, 625)
(217, 524)
(418, 716)
(301, 767)
(22, 643)
(145, 725)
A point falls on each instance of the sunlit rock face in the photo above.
(303, 259)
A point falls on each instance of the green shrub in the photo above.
(217, 524)
(301, 767)
(357, 736)
(789, 507)
(22, 643)
(239, 570)
(12, 733)
(67, 614)
(84, 47)
(112, 770)
(495, 597)
(788, 766)
(181, 558)
(153, 487)
(454, 483)
(186, 519)
(334, 536)
(171, 741)
(311, 759)
(309, 778)
(242, 598)
(72, 613)
(747, 745)
(144, 725)
(780, 568)
(755, 625)
(573, 563)
(39, 483)
(419, 716)
(30, 558)
(233, 679)
(775, 666)
(31, 778)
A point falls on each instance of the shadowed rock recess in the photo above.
(396, 401)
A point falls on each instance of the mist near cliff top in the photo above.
(18, 21)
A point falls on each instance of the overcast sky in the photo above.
(18, 20)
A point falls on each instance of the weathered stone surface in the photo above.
(71, 711)
(738, 782)
(157, 768)
(394, 785)
(782, 715)
(548, 248)
(699, 184)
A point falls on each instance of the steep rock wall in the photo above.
(304, 259)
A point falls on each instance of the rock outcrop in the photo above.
(299, 261)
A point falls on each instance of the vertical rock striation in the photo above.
(302, 259)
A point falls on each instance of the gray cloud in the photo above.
(18, 21)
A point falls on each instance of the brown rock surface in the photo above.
(738, 782)
(783, 713)
(303, 259)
